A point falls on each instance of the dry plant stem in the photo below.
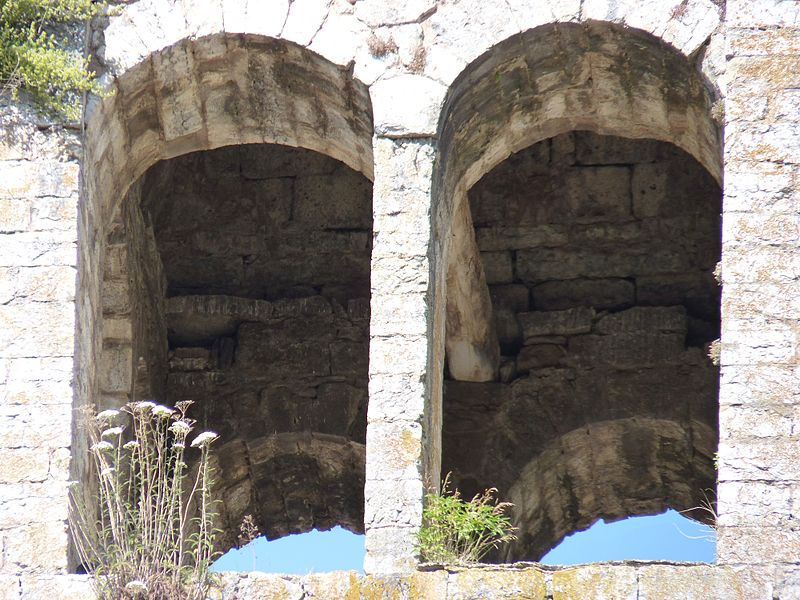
(141, 543)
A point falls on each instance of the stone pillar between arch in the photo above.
(406, 354)
(759, 474)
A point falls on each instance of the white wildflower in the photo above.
(107, 471)
(144, 405)
(179, 445)
(180, 428)
(161, 411)
(102, 446)
(136, 585)
(131, 445)
(107, 415)
(204, 439)
(111, 431)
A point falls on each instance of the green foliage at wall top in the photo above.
(31, 59)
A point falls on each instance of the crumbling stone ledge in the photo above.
(634, 580)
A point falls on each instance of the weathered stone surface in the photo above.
(642, 319)
(596, 581)
(490, 583)
(572, 241)
(565, 322)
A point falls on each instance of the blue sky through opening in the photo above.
(668, 536)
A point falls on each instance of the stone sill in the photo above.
(530, 581)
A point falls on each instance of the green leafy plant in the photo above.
(145, 533)
(459, 531)
(31, 57)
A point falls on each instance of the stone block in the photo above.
(498, 267)
(36, 284)
(10, 587)
(597, 194)
(390, 549)
(644, 319)
(539, 356)
(396, 451)
(599, 582)
(116, 298)
(239, 586)
(594, 149)
(58, 587)
(488, 583)
(340, 405)
(501, 237)
(24, 464)
(116, 368)
(29, 178)
(349, 358)
(757, 504)
(37, 329)
(118, 329)
(750, 384)
(343, 201)
(395, 355)
(664, 582)
(600, 294)
(339, 584)
(271, 353)
(394, 313)
(407, 105)
(37, 249)
(393, 397)
(382, 508)
(759, 459)
(515, 297)
(627, 350)
(15, 215)
(672, 187)
(509, 332)
(757, 545)
(40, 546)
(771, 13)
(698, 290)
(562, 322)
(538, 264)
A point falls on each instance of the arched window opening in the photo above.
(579, 216)
(229, 180)
(299, 554)
(668, 536)
(599, 254)
(247, 273)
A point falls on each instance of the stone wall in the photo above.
(386, 88)
(39, 196)
(759, 392)
(632, 580)
(284, 384)
(133, 364)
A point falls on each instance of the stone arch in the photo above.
(208, 104)
(614, 86)
(621, 82)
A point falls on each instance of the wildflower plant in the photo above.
(152, 534)
(456, 531)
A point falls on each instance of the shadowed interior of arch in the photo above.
(579, 217)
(599, 254)
(248, 270)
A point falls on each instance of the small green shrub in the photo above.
(30, 56)
(456, 531)
(145, 533)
